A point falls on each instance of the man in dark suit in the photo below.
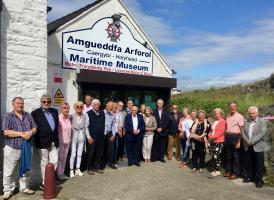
(95, 138)
(135, 127)
(254, 147)
(46, 138)
(160, 135)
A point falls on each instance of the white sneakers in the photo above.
(77, 173)
(216, 173)
(71, 175)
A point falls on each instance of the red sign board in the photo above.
(57, 80)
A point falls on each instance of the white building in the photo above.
(106, 41)
(116, 57)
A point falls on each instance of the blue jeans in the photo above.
(115, 149)
(186, 150)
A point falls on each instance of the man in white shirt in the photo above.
(135, 127)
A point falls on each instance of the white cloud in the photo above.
(246, 76)
(207, 48)
(198, 48)
(156, 27)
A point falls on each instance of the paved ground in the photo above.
(155, 181)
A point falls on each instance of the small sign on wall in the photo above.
(58, 97)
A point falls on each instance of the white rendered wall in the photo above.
(23, 59)
(23, 52)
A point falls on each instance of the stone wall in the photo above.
(269, 164)
(23, 52)
(23, 55)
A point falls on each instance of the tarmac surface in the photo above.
(154, 181)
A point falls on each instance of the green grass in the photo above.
(213, 98)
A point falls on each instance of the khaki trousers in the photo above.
(171, 140)
(49, 155)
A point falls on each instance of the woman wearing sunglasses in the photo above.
(78, 138)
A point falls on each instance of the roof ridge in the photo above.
(53, 26)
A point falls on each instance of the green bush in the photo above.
(213, 98)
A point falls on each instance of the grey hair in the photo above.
(19, 98)
(160, 100)
(45, 96)
(95, 101)
(253, 108)
(202, 111)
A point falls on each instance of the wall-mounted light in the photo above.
(173, 72)
(115, 27)
(49, 9)
(116, 17)
(145, 44)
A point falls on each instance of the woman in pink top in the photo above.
(216, 136)
(64, 131)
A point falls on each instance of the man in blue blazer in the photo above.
(46, 138)
(135, 127)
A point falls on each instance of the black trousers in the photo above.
(254, 165)
(198, 155)
(95, 154)
(158, 147)
(232, 155)
(108, 152)
(217, 149)
(121, 147)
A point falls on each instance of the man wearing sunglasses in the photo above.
(46, 139)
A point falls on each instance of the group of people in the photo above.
(111, 134)
(231, 135)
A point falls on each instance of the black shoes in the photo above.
(259, 184)
(129, 164)
(138, 164)
(162, 160)
(112, 166)
(247, 180)
(41, 186)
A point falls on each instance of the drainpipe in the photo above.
(0, 50)
(1, 137)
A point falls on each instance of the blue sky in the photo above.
(208, 42)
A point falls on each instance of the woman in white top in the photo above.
(78, 138)
(184, 127)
